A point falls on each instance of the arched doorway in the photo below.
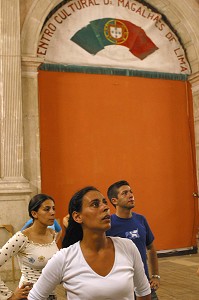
(29, 49)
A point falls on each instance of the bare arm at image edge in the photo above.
(153, 266)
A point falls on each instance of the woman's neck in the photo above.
(94, 241)
(39, 228)
(39, 233)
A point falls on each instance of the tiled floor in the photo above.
(178, 279)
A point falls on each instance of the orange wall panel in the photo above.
(97, 129)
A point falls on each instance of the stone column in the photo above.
(194, 80)
(11, 148)
(14, 187)
(31, 121)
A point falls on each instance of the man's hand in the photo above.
(154, 283)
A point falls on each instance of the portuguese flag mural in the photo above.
(105, 32)
(111, 34)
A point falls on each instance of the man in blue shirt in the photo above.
(128, 224)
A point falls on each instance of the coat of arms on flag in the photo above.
(116, 31)
(105, 32)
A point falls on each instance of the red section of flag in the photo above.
(138, 42)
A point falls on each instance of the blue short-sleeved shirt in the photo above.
(136, 229)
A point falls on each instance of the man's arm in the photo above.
(58, 235)
(153, 266)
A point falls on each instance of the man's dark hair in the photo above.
(112, 191)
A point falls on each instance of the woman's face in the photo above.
(95, 212)
(45, 213)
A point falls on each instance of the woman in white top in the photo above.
(34, 247)
(93, 266)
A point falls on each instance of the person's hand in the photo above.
(65, 220)
(155, 283)
(22, 292)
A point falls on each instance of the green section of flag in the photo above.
(98, 28)
(87, 39)
(91, 38)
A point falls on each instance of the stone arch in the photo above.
(32, 25)
(183, 18)
(182, 15)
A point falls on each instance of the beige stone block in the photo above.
(196, 107)
(183, 33)
(197, 132)
(191, 53)
(194, 66)
(158, 4)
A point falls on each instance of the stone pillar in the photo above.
(31, 121)
(11, 149)
(14, 187)
(194, 80)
